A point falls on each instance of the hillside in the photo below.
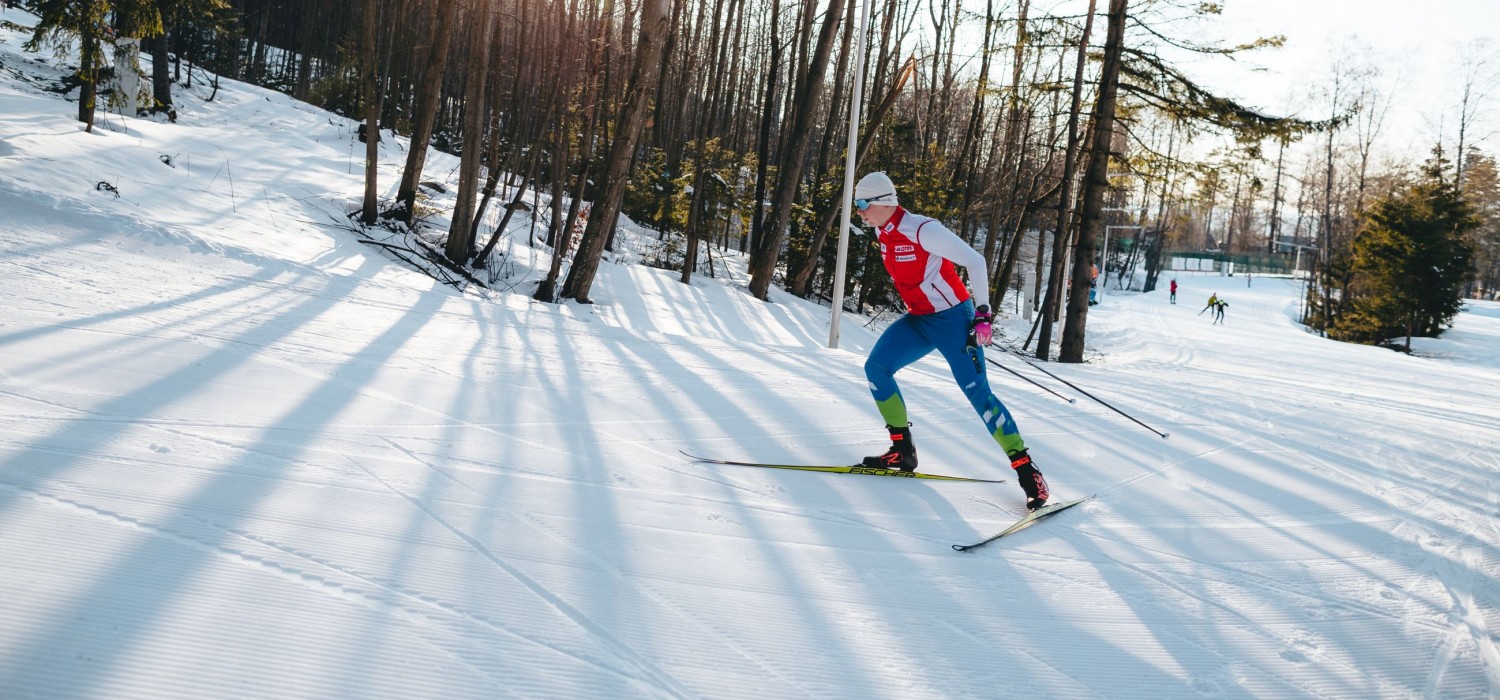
(247, 455)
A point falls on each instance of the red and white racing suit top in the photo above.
(920, 252)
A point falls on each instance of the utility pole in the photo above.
(856, 101)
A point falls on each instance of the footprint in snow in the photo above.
(1302, 646)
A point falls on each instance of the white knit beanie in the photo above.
(877, 188)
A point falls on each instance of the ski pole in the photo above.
(1034, 383)
(1101, 401)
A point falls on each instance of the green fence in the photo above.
(1226, 263)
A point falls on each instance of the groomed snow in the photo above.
(244, 455)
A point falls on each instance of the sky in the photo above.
(246, 454)
(1417, 43)
(1418, 46)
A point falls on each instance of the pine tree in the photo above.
(1411, 258)
(93, 23)
(88, 22)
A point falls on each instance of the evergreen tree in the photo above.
(1411, 259)
(95, 24)
(62, 21)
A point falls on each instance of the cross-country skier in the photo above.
(920, 253)
(1213, 303)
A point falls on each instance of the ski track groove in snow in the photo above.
(429, 601)
(1454, 567)
(660, 599)
(1441, 416)
(650, 671)
(762, 507)
(304, 579)
(663, 600)
(1245, 624)
(1241, 577)
(1172, 465)
(1059, 672)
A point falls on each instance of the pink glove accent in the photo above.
(983, 333)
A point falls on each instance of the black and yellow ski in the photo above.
(853, 469)
(1021, 524)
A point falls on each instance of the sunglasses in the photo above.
(863, 204)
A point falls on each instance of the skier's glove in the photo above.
(983, 333)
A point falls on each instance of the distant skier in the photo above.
(919, 253)
(1173, 298)
(1213, 302)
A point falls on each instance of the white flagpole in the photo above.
(856, 101)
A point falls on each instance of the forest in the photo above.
(1057, 140)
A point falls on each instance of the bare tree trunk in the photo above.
(428, 96)
(256, 70)
(1032, 202)
(1325, 252)
(460, 244)
(305, 55)
(654, 22)
(494, 169)
(372, 111)
(966, 148)
(1011, 154)
(1054, 133)
(1061, 236)
(1476, 71)
(1012, 158)
(1154, 263)
(809, 90)
(1234, 211)
(1276, 198)
(800, 283)
(771, 106)
(546, 290)
(703, 131)
(515, 203)
(161, 66)
(1096, 180)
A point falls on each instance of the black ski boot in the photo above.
(903, 453)
(1031, 480)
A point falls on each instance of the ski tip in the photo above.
(961, 548)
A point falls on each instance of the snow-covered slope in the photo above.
(245, 455)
